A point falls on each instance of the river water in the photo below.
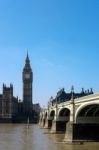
(20, 137)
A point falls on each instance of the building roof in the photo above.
(62, 96)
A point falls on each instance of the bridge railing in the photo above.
(92, 96)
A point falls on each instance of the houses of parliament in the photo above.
(14, 110)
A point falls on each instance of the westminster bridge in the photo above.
(78, 118)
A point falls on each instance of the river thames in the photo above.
(20, 137)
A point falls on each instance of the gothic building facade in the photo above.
(8, 104)
(12, 109)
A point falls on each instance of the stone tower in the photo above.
(27, 87)
(7, 98)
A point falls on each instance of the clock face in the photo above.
(27, 76)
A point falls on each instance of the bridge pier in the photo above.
(42, 123)
(54, 126)
(70, 133)
(71, 126)
(58, 126)
(77, 133)
(48, 124)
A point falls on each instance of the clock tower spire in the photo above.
(27, 87)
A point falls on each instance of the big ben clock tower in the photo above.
(27, 87)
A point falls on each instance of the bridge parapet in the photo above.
(87, 98)
(78, 100)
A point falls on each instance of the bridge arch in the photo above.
(88, 113)
(52, 114)
(51, 117)
(63, 118)
(64, 112)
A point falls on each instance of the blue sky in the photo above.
(63, 42)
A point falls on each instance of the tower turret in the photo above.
(27, 86)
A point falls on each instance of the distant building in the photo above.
(62, 96)
(37, 108)
(8, 103)
(14, 110)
